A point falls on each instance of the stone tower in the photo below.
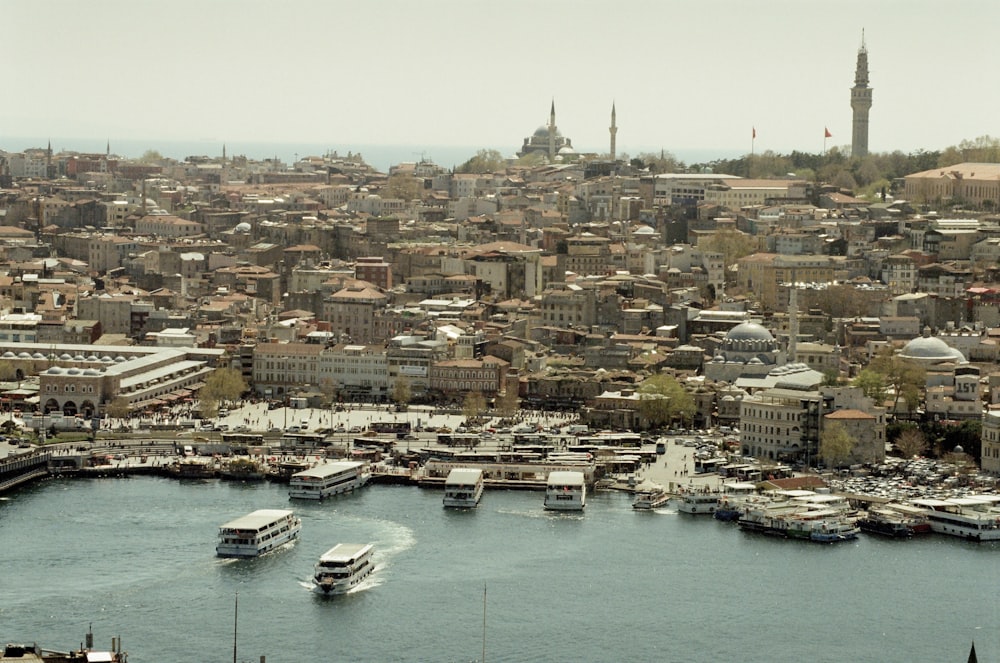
(614, 132)
(861, 103)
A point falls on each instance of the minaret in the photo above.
(861, 103)
(552, 133)
(793, 321)
(614, 131)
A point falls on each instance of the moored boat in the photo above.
(885, 522)
(343, 567)
(734, 497)
(242, 469)
(976, 517)
(257, 533)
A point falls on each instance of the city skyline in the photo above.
(682, 76)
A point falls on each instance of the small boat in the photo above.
(257, 533)
(650, 496)
(343, 567)
(734, 497)
(463, 488)
(887, 523)
(242, 469)
(565, 491)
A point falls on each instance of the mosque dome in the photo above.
(542, 132)
(749, 331)
(930, 350)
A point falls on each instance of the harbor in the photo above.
(145, 566)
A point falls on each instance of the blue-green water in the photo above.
(135, 557)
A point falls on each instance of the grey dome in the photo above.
(749, 331)
(930, 349)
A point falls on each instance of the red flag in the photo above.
(754, 132)
(826, 133)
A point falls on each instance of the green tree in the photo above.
(911, 442)
(118, 408)
(150, 157)
(508, 403)
(474, 405)
(401, 391)
(663, 162)
(872, 383)
(404, 187)
(900, 375)
(731, 243)
(662, 400)
(835, 444)
(223, 384)
(485, 161)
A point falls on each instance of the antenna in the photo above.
(236, 616)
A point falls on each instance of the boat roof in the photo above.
(343, 552)
(327, 469)
(819, 498)
(257, 519)
(565, 477)
(737, 486)
(464, 475)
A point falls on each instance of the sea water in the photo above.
(135, 558)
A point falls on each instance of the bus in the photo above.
(304, 440)
(611, 440)
(470, 440)
(243, 439)
(399, 428)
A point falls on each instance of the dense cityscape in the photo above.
(826, 326)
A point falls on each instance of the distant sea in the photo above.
(379, 156)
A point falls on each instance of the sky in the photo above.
(684, 75)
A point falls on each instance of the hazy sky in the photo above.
(685, 75)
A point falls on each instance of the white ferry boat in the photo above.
(463, 488)
(565, 491)
(257, 533)
(343, 567)
(976, 517)
(650, 496)
(698, 502)
(328, 479)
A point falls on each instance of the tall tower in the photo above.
(614, 131)
(552, 133)
(861, 103)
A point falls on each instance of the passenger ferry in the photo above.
(463, 488)
(699, 502)
(650, 496)
(565, 491)
(257, 533)
(328, 479)
(976, 518)
(342, 568)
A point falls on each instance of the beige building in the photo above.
(971, 184)
(867, 432)
(991, 442)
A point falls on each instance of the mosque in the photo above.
(549, 141)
